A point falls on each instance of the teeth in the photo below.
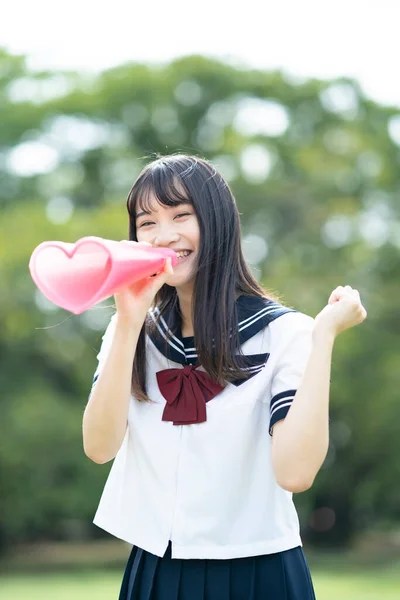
(182, 254)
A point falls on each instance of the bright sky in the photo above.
(358, 38)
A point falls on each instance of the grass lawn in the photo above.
(377, 585)
(81, 585)
(104, 585)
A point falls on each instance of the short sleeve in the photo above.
(291, 340)
(104, 349)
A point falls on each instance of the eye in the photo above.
(145, 223)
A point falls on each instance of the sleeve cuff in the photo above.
(95, 378)
(279, 407)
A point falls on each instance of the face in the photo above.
(174, 227)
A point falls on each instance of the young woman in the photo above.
(213, 399)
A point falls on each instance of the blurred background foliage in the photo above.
(314, 167)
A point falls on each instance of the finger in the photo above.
(136, 243)
(128, 242)
(167, 269)
(341, 292)
(351, 290)
(168, 266)
(336, 294)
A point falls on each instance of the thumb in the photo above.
(162, 276)
(336, 295)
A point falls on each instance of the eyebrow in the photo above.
(147, 212)
(144, 212)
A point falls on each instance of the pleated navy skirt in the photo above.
(280, 576)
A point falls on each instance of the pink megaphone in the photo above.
(78, 276)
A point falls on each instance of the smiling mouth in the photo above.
(180, 260)
(183, 257)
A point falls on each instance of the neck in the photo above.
(185, 298)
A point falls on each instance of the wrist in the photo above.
(128, 322)
(324, 334)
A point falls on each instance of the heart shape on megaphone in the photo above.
(78, 276)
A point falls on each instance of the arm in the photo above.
(300, 441)
(106, 414)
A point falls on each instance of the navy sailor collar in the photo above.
(254, 314)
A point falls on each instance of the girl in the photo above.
(213, 399)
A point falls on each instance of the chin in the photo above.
(178, 282)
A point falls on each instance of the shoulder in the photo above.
(110, 325)
(280, 316)
(290, 325)
(293, 318)
(107, 337)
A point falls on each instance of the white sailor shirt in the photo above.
(209, 487)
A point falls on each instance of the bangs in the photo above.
(160, 185)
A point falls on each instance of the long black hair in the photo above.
(221, 270)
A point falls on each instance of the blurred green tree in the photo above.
(314, 168)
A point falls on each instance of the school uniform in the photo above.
(192, 486)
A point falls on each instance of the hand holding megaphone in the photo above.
(133, 301)
(78, 276)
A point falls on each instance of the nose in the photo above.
(165, 236)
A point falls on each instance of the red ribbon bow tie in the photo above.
(186, 392)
